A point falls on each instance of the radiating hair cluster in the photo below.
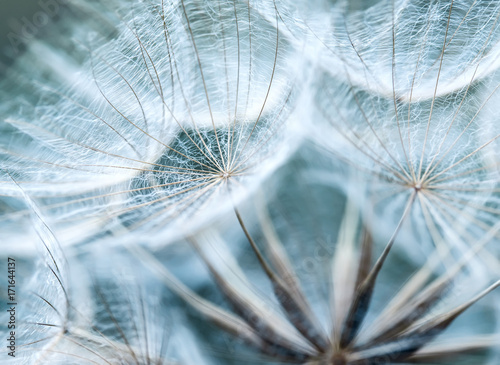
(247, 182)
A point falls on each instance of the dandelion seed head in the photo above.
(189, 108)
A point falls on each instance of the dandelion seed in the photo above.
(426, 137)
(112, 322)
(390, 47)
(192, 98)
